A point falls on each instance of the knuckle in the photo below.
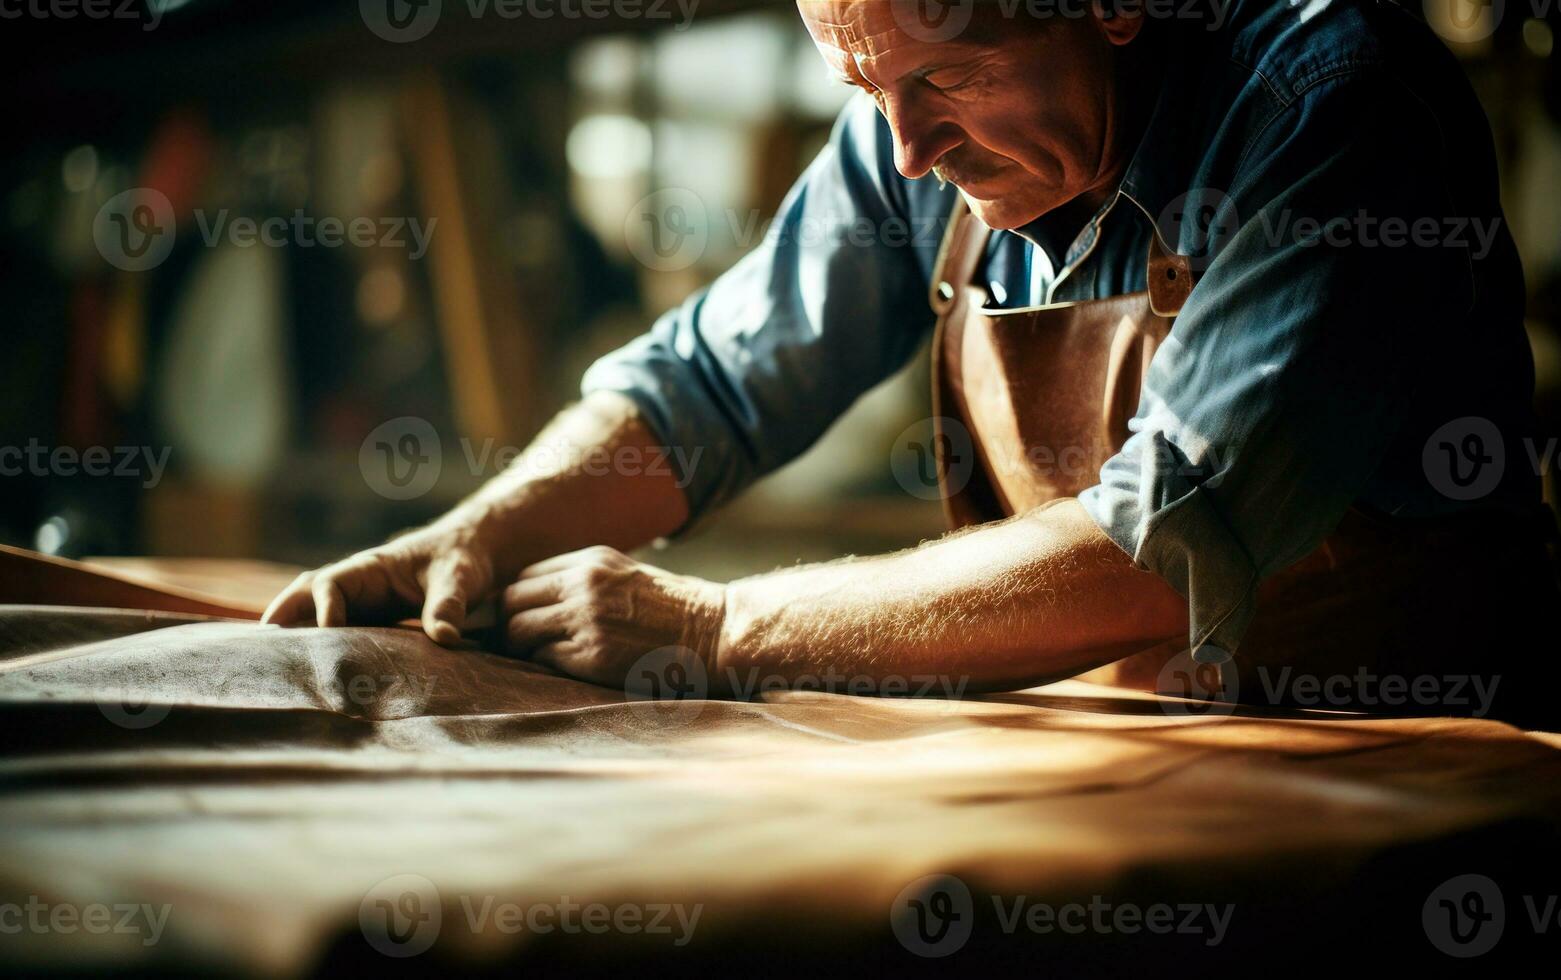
(607, 607)
(382, 561)
(587, 578)
(603, 556)
(328, 574)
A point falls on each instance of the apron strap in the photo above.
(1170, 278)
(968, 497)
(964, 245)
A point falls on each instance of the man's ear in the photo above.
(1119, 21)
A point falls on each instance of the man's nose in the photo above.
(921, 136)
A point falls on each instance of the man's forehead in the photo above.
(852, 29)
(846, 23)
(870, 35)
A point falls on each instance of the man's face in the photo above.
(1017, 115)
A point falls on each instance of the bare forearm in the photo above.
(595, 475)
(1008, 605)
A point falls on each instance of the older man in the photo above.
(1228, 353)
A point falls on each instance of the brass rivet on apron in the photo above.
(945, 291)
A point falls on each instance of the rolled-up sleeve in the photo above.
(1293, 364)
(746, 374)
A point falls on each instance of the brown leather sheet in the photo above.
(207, 587)
(262, 785)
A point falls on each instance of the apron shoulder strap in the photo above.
(1170, 278)
(964, 244)
(1170, 275)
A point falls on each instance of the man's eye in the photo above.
(949, 81)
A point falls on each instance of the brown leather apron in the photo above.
(1029, 404)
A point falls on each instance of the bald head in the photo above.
(1020, 115)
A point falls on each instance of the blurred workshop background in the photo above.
(234, 381)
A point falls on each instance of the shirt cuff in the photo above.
(700, 446)
(1174, 528)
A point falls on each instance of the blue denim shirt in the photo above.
(1357, 316)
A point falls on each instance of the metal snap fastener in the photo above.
(945, 291)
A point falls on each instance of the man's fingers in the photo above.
(555, 656)
(548, 566)
(292, 604)
(330, 606)
(531, 628)
(529, 593)
(558, 563)
(444, 601)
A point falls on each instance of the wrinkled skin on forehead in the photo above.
(1022, 116)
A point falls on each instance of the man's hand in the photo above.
(439, 570)
(552, 500)
(593, 613)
